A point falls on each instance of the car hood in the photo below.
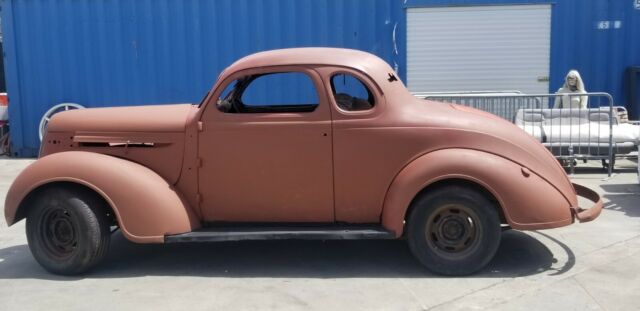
(157, 118)
(149, 135)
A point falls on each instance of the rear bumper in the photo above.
(585, 215)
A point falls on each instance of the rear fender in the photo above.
(527, 201)
(146, 206)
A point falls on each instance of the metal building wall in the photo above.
(122, 52)
(599, 38)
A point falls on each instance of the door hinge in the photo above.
(200, 127)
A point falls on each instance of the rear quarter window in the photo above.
(351, 94)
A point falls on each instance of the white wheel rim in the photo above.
(44, 121)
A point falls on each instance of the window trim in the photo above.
(321, 113)
(366, 81)
(255, 77)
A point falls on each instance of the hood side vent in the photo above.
(118, 144)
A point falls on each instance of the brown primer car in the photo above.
(384, 165)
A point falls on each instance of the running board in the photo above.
(219, 234)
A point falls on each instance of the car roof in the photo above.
(368, 63)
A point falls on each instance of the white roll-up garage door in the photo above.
(479, 48)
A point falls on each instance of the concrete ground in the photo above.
(580, 267)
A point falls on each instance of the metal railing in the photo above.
(569, 133)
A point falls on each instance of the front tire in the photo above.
(453, 230)
(67, 230)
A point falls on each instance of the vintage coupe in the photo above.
(339, 149)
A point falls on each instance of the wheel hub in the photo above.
(62, 231)
(452, 229)
(59, 232)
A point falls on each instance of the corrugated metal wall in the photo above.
(122, 52)
(599, 38)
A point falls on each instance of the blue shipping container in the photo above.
(121, 52)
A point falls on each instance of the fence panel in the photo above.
(570, 133)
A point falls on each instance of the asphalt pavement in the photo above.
(590, 266)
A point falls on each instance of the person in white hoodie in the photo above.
(573, 85)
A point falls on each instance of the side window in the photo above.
(274, 92)
(225, 100)
(227, 90)
(350, 93)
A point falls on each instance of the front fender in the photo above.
(147, 207)
(527, 200)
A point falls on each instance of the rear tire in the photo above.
(453, 230)
(67, 230)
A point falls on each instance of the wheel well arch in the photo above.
(26, 203)
(147, 207)
(463, 183)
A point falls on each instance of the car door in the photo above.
(267, 156)
(366, 155)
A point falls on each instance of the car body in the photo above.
(348, 166)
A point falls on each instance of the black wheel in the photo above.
(453, 230)
(67, 230)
